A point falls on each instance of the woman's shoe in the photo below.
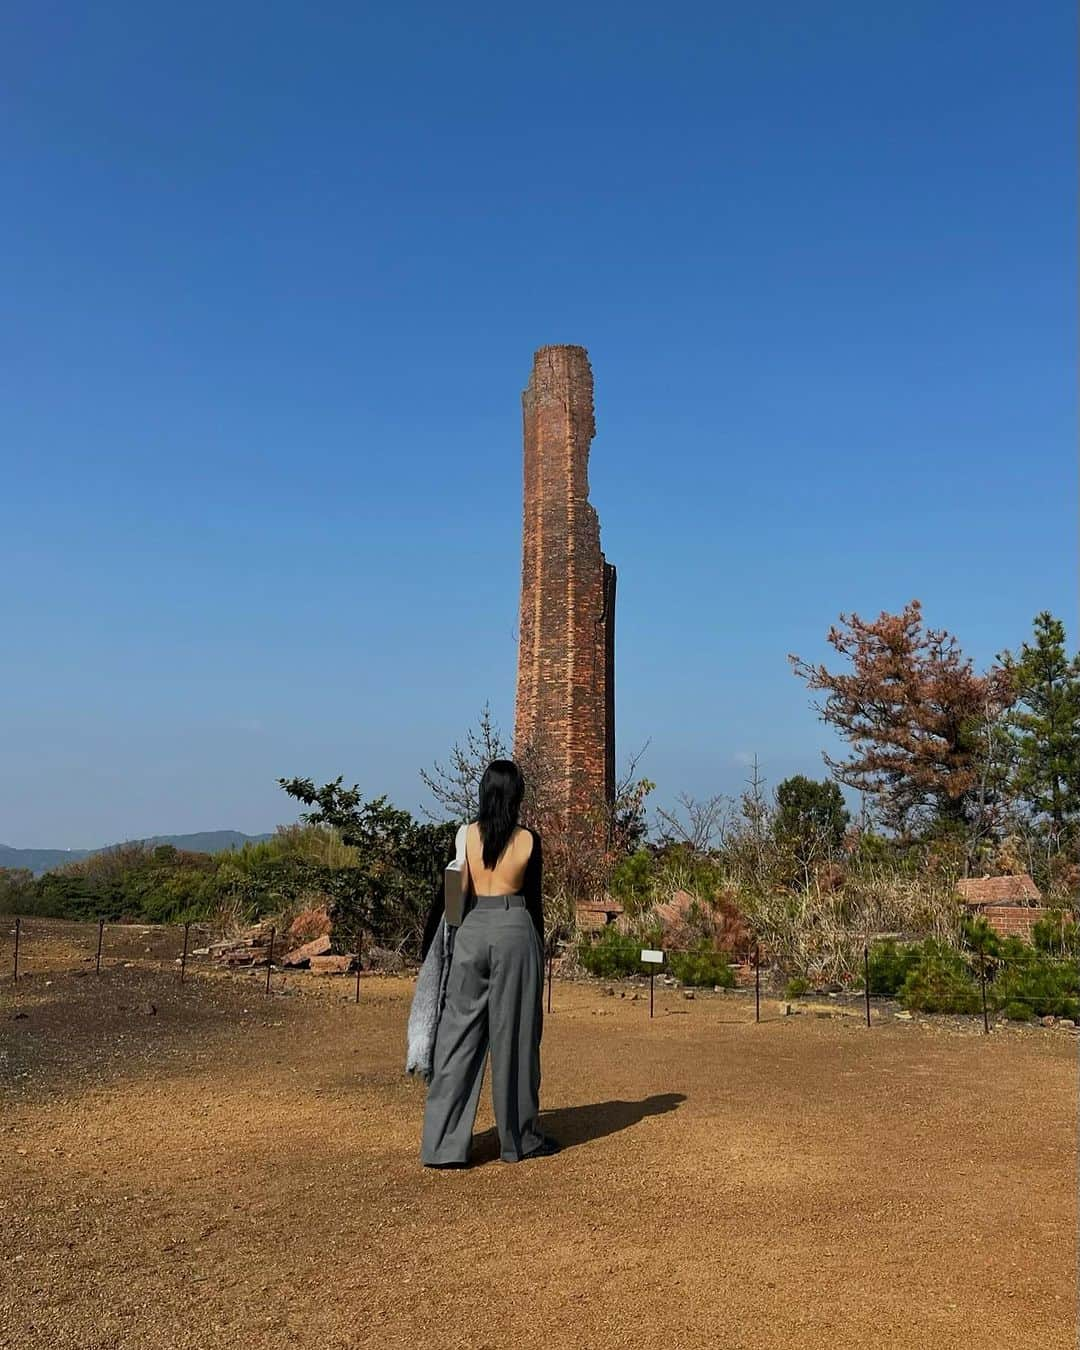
(544, 1150)
(448, 1165)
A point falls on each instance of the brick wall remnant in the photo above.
(1013, 920)
(1009, 903)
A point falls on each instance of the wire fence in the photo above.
(25, 932)
(1011, 981)
(991, 977)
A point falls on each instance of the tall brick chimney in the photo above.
(566, 648)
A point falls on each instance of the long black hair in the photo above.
(501, 790)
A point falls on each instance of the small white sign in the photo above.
(657, 958)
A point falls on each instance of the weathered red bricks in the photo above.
(1014, 920)
(566, 649)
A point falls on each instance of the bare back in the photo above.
(508, 874)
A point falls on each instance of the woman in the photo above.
(494, 988)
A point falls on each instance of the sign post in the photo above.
(652, 959)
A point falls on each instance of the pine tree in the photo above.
(1045, 725)
(811, 815)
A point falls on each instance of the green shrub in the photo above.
(1044, 987)
(1057, 935)
(976, 935)
(71, 896)
(1021, 982)
(796, 987)
(1015, 951)
(611, 954)
(890, 964)
(632, 881)
(939, 981)
(703, 965)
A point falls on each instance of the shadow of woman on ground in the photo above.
(572, 1125)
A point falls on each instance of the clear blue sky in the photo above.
(273, 278)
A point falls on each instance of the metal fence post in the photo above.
(757, 981)
(551, 962)
(866, 978)
(100, 936)
(982, 982)
(270, 958)
(183, 954)
(18, 926)
(358, 947)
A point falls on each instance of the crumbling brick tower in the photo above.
(566, 648)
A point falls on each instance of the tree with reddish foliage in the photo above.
(923, 725)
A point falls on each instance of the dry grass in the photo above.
(820, 933)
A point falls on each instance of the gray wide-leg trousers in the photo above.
(494, 995)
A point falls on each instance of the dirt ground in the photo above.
(236, 1169)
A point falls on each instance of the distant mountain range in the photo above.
(40, 860)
